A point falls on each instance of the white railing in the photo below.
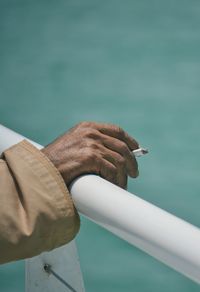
(169, 239)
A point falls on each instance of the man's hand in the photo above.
(97, 148)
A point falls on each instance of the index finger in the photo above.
(117, 132)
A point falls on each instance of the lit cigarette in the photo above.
(140, 152)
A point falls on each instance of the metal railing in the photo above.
(164, 236)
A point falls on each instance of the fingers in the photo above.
(113, 147)
(113, 131)
(119, 133)
(113, 174)
(120, 164)
(115, 139)
(119, 147)
(108, 171)
(108, 158)
(122, 178)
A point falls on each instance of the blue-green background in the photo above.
(133, 63)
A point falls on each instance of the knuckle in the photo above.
(83, 124)
(92, 134)
(91, 146)
(94, 145)
(87, 132)
(90, 155)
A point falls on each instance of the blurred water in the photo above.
(134, 63)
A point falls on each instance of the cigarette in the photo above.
(140, 152)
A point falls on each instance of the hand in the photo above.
(89, 147)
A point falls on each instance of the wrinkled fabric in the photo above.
(36, 211)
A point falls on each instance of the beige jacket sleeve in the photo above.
(36, 210)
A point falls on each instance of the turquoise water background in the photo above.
(133, 63)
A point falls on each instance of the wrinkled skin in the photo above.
(96, 148)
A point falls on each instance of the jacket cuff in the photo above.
(56, 204)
